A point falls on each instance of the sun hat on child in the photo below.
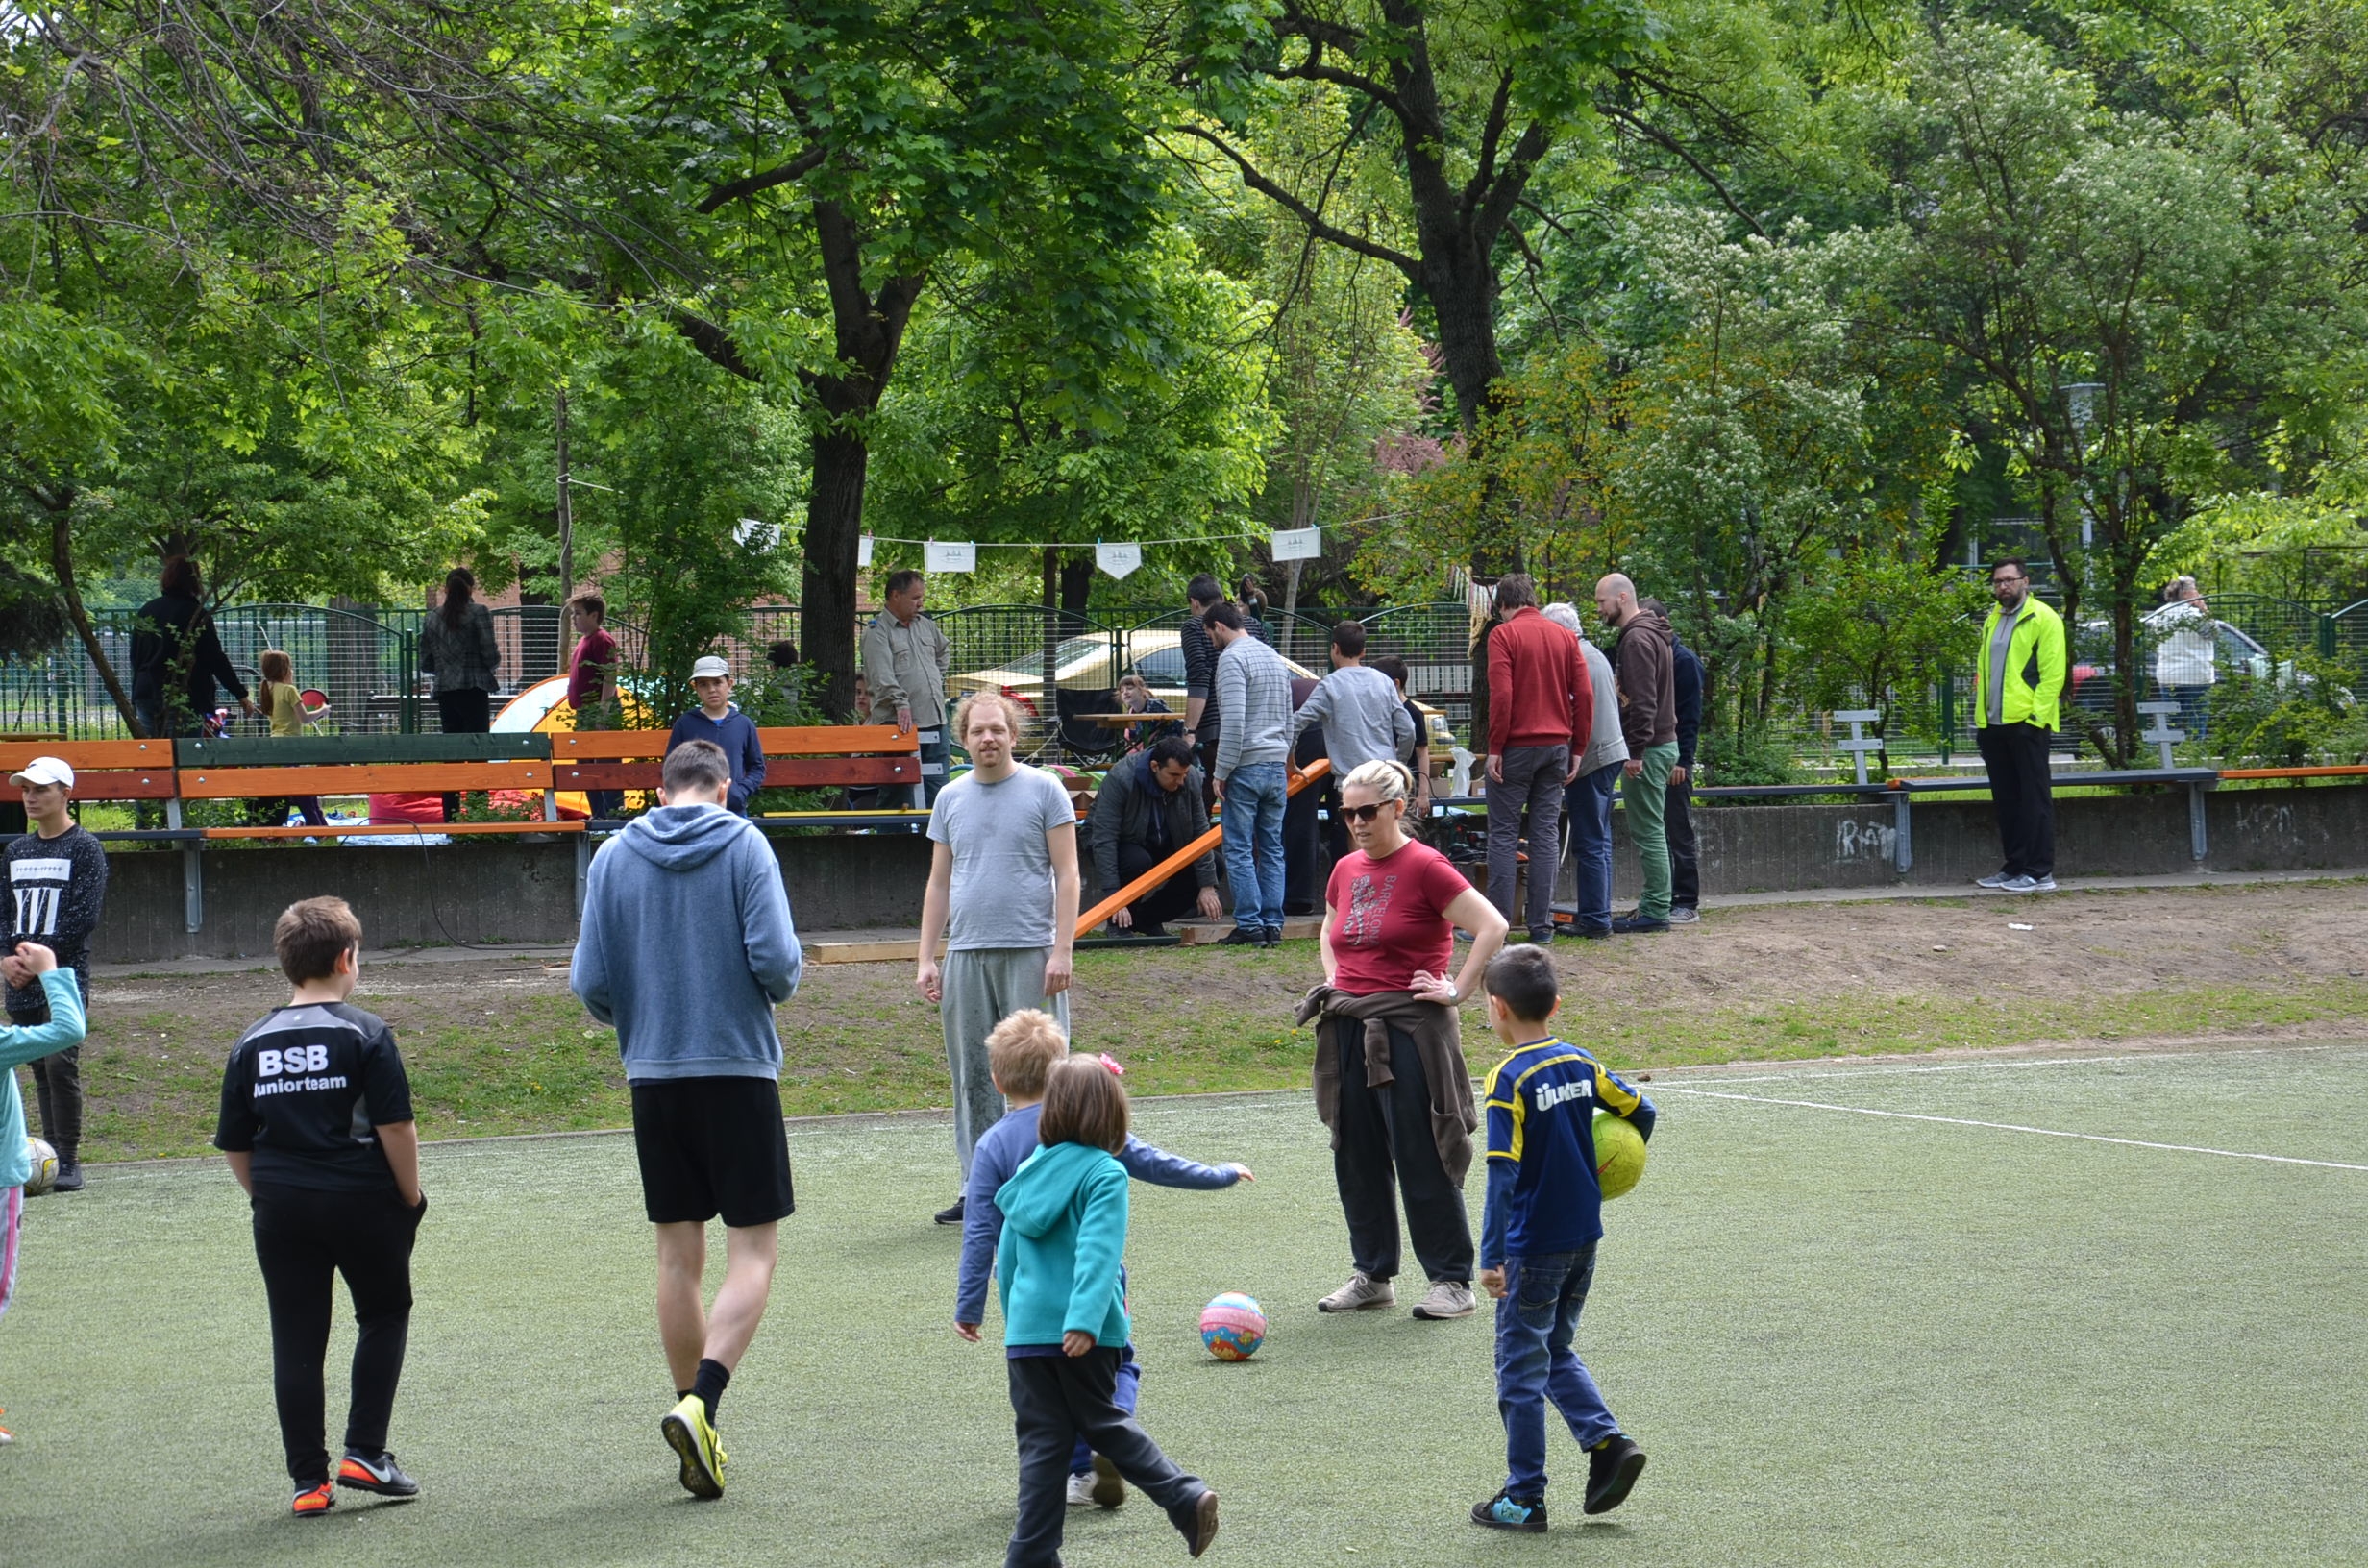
(710, 668)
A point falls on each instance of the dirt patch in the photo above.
(500, 1045)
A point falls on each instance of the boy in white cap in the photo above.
(719, 719)
(57, 876)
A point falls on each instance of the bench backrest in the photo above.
(839, 754)
(103, 769)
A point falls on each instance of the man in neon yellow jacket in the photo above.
(2018, 684)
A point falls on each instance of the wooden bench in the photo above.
(250, 767)
(103, 769)
(795, 758)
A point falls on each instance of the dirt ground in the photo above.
(499, 1046)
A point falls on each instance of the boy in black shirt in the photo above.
(58, 887)
(316, 1124)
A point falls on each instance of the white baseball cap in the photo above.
(710, 668)
(44, 771)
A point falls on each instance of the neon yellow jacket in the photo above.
(2036, 668)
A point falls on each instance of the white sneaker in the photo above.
(1082, 1491)
(2029, 884)
(1361, 1292)
(1994, 881)
(1445, 1299)
(1682, 915)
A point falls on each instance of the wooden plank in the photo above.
(794, 772)
(1205, 933)
(392, 779)
(92, 754)
(893, 950)
(324, 751)
(2348, 771)
(121, 785)
(381, 829)
(608, 744)
(804, 740)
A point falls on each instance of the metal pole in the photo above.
(567, 510)
(1903, 858)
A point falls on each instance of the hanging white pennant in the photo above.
(1118, 559)
(1298, 544)
(939, 555)
(863, 549)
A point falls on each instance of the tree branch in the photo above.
(1330, 233)
(1661, 138)
(712, 341)
(755, 185)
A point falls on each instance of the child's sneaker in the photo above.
(380, 1474)
(1081, 1489)
(311, 1502)
(1505, 1511)
(1109, 1489)
(1197, 1522)
(1612, 1471)
(689, 1433)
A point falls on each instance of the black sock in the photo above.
(709, 1384)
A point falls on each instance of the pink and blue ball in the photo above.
(1232, 1327)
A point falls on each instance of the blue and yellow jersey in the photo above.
(1542, 1105)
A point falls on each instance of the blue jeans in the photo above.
(1256, 796)
(1535, 1323)
(1586, 806)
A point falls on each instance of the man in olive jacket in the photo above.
(2018, 680)
(905, 658)
(1148, 808)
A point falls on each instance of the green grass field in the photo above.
(1843, 1337)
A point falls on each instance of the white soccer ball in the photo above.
(44, 1168)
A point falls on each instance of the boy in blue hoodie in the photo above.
(1538, 1244)
(1021, 1051)
(719, 720)
(1065, 1316)
(19, 1043)
(686, 947)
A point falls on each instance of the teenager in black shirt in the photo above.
(57, 888)
(316, 1124)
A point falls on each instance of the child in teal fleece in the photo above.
(23, 1042)
(1065, 1316)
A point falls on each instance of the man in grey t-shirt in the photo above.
(1003, 894)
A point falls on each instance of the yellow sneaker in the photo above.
(689, 1433)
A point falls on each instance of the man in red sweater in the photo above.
(1540, 708)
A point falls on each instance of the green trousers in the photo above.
(1645, 797)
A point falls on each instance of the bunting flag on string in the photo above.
(1298, 544)
(946, 555)
(1118, 559)
(863, 549)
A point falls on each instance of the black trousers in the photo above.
(304, 1238)
(58, 1086)
(1685, 864)
(465, 711)
(1170, 900)
(1055, 1400)
(1386, 1150)
(1305, 863)
(2022, 792)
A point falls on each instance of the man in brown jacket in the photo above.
(1647, 671)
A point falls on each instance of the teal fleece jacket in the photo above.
(23, 1042)
(1064, 1236)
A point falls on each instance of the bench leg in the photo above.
(583, 871)
(2199, 842)
(1903, 857)
(192, 874)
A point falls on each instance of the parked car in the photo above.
(2236, 652)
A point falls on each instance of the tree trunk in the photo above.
(61, 563)
(1077, 589)
(827, 600)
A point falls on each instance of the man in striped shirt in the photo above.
(1254, 700)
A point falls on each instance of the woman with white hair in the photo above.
(1390, 1080)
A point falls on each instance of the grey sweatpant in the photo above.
(983, 986)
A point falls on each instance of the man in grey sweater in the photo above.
(1587, 799)
(1363, 717)
(1254, 700)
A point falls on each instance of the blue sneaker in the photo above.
(1505, 1511)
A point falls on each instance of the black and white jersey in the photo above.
(56, 891)
(305, 1090)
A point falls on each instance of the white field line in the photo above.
(2012, 1127)
(2002, 1066)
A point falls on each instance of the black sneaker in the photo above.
(1592, 933)
(1505, 1511)
(69, 1175)
(1637, 924)
(1273, 937)
(949, 1217)
(1611, 1472)
(1243, 936)
(380, 1474)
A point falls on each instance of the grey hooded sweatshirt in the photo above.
(687, 946)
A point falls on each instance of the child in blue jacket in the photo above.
(1065, 1316)
(1021, 1051)
(20, 1043)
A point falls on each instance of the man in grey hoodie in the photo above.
(687, 947)
(1587, 799)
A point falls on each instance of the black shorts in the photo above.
(712, 1147)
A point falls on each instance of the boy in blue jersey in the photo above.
(1538, 1247)
(1021, 1051)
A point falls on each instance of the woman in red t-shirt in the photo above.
(1389, 931)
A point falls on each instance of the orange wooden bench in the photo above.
(247, 767)
(103, 769)
(803, 757)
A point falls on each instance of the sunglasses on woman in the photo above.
(1363, 814)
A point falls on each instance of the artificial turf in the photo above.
(1843, 1338)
